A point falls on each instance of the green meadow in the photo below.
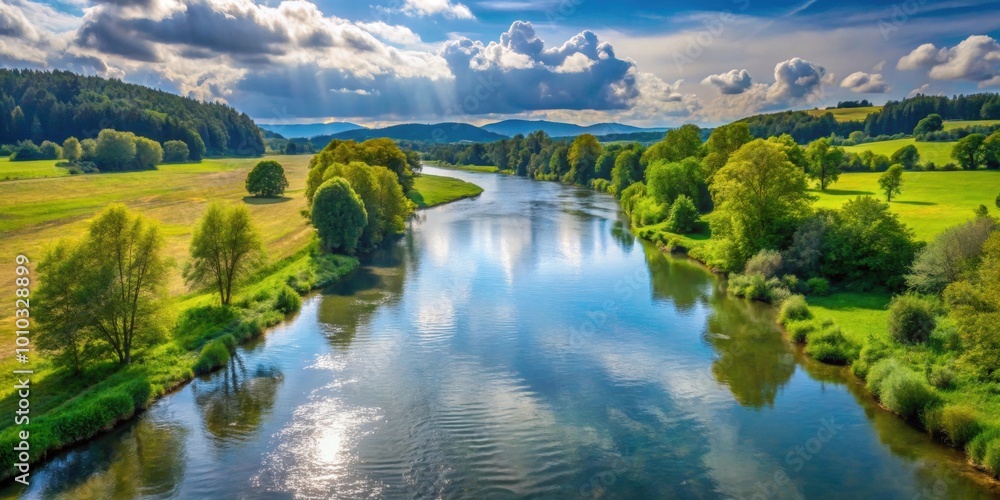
(937, 152)
(954, 124)
(846, 114)
(431, 190)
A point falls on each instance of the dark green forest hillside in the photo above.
(43, 105)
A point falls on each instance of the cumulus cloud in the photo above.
(795, 80)
(433, 7)
(397, 34)
(975, 59)
(14, 24)
(865, 83)
(732, 82)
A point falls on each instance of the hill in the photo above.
(306, 130)
(937, 152)
(511, 128)
(54, 105)
(439, 133)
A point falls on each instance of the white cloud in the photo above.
(732, 82)
(400, 35)
(433, 7)
(576, 63)
(975, 59)
(865, 83)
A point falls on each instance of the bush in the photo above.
(288, 300)
(818, 286)
(267, 179)
(148, 153)
(941, 377)
(879, 372)
(757, 287)
(213, 355)
(830, 346)
(911, 319)
(794, 308)
(765, 262)
(176, 152)
(338, 215)
(50, 150)
(800, 330)
(872, 352)
(26, 151)
(683, 215)
(906, 393)
(960, 424)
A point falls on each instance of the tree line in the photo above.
(55, 105)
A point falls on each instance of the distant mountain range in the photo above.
(452, 132)
(310, 129)
(511, 128)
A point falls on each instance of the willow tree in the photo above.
(226, 250)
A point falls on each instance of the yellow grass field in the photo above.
(846, 114)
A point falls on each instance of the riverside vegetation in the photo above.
(121, 323)
(913, 318)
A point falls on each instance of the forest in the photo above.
(55, 105)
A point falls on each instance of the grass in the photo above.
(930, 202)
(13, 170)
(951, 125)
(846, 114)
(489, 169)
(858, 314)
(937, 152)
(433, 190)
(657, 233)
(36, 212)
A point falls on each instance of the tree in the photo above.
(931, 123)
(968, 151)
(267, 179)
(291, 148)
(867, 242)
(175, 152)
(950, 256)
(626, 170)
(50, 150)
(891, 181)
(824, 162)
(908, 156)
(990, 110)
(974, 304)
(148, 153)
(88, 150)
(991, 151)
(582, 157)
(126, 280)
(795, 153)
(683, 215)
(63, 307)
(72, 150)
(339, 216)
(667, 181)
(759, 196)
(677, 144)
(724, 141)
(115, 150)
(226, 249)
(27, 151)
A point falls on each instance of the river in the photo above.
(523, 343)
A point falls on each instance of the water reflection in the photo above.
(236, 402)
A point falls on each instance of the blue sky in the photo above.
(584, 61)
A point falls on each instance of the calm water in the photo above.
(520, 344)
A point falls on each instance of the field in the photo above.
(431, 190)
(937, 152)
(846, 114)
(951, 125)
(930, 202)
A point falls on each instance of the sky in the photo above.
(644, 63)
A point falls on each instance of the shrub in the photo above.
(176, 152)
(818, 286)
(267, 179)
(51, 150)
(800, 330)
(213, 355)
(794, 308)
(794, 284)
(765, 262)
(911, 319)
(148, 153)
(960, 424)
(941, 377)
(683, 215)
(906, 393)
(872, 352)
(879, 372)
(26, 151)
(830, 346)
(288, 300)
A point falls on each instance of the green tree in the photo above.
(63, 307)
(974, 304)
(88, 150)
(795, 153)
(824, 162)
(627, 170)
(115, 150)
(27, 151)
(724, 141)
(126, 280)
(176, 152)
(226, 249)
(867, 243)
(968, 151)
(291, 148)
(759, 197)
(950, 256)
(72, 150)
(891, 181)
(683, 215)
(908, 156)
(931, 123)
(148, 153)
(991, 151)
(50, 150)
(339, 216)
(667, 181)
(267, 179)
(677, 144)
(582, 157)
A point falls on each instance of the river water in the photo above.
(521, 344)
